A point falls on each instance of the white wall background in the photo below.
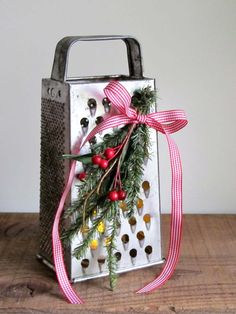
(188, 45)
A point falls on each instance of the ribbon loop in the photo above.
(166, 122)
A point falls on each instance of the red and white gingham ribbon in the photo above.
(166, 122)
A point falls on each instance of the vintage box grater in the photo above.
(72, 108)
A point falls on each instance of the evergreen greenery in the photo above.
(92, 192)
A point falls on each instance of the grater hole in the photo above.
(93, 140)
(93, 244)
(105, 101)
(123, 206)
(146, 185)
(101, 227)
(140, 235)
(118, 256)
(53, 93)
(148, 249)
(101, 259)
(147, 218)
(125, 238)
(84, 122)
(133, 253)
(139, 203)
(92, 103)
(118, 227)
(107, 105)
(99, 120)
(84, 229)
(132, 221)
(94, 213)
(85, 263)
(146, 188)
(107, 241)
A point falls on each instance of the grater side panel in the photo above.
(55, 142)
(80, 94)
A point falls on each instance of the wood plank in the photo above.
(204, 282)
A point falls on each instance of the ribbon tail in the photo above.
(65, 285)
(176, 220)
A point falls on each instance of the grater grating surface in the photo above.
(52, 172)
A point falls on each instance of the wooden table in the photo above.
(204, 282)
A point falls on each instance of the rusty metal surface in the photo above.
(59, 68)
(55, 141)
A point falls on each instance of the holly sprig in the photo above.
(114, 171)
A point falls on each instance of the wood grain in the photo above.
(204, 282)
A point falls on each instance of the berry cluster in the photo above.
(115, 195)
(103, 163)
(109, 153)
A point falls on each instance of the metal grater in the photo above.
(71, 108)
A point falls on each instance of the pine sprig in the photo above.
(111, 140)
(75, 226)
(111, 247)
(94, 174)
(143, 99)
(81, 250)
(133, 166)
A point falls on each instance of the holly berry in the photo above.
(96, 159)
(103, 163)
(113, 196)
(81, 176)
(121, 195)
(109, 153)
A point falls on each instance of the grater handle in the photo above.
(59, 69)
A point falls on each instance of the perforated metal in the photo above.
(143, 245)
(64, 106)
(53, 167)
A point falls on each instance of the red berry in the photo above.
(109, 153)
(96, 159)
(103, 163)
(80, 176)
(121, 195)
(113, 196)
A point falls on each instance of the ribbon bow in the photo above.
(166, 122)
